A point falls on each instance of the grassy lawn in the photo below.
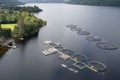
(11, 26)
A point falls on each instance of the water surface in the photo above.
(28, 63)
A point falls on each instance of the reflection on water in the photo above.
(3, 50)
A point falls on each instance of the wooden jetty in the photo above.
(6, 43)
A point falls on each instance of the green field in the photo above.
(11, 26)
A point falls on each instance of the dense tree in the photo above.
(11, 14)
(28, 26)
(6, 33)
(34, 9)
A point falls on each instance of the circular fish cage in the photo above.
(59, 48)
(83, 33)
(93, 38)
(68, 51)
(71, 26)
(106, 46)
(76, 29)
(53, 44)
(80, 57)
(97, 65)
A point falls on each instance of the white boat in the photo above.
(14, 47)
(63, 65)
(21, 38)
(47, 42)
(45, 52)
(73, 70)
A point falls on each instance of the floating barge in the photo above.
(49, 51)
(64, 56)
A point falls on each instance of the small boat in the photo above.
(73, 70)
(63, 65)
(45, 52)
(21, 38)
(14, 47)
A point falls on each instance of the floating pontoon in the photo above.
(80, 65)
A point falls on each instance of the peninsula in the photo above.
(18, 22)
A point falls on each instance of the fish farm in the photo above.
(106, 46)
(97, 65)
(78, 59)
(100, 43)
(93, 38)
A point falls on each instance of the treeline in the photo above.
(7, 16)
(96, 2)
(28, 25)
(10, 2)
(6, 33)
(42, 1)
(34, 9)
(10, 14)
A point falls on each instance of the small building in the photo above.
(52, 50)
(64, 56)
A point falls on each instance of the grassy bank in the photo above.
(10, 26)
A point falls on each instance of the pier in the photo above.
(8, 42)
